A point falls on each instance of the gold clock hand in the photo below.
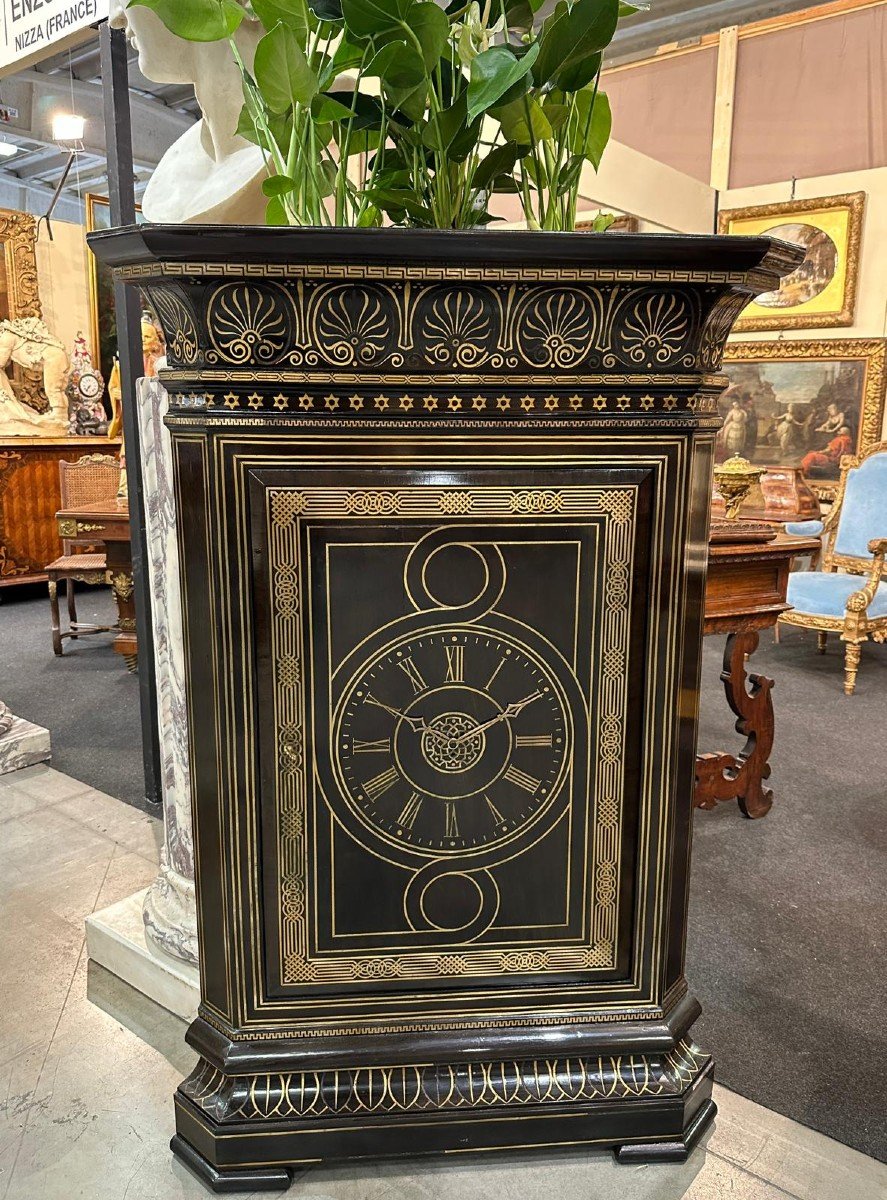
(418, 724)
(510, 710)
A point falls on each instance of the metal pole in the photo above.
(118, 137)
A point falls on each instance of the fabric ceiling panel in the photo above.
(665, 108)
(810, 100)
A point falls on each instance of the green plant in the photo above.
(404, 109)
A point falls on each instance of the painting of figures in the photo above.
(802, 404)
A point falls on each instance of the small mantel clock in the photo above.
(443, 503)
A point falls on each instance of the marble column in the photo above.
(21, 743)
(169, 910)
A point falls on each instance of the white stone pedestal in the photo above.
(21, 743)
(116, 939)
(150, 939)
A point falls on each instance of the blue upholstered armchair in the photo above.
(833, 598)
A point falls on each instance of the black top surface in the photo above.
(135, 244)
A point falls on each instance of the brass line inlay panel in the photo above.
(616, 507)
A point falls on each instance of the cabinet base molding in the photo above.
(240, 1132)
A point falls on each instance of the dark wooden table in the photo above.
(108, 521)
(745, 593)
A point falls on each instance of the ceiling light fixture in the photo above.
(68, 127)
(67, 132)
(7, 149)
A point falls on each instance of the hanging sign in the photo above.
(34, 29)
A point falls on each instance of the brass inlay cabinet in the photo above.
(443, 535)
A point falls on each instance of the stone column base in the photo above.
(116, 939)
(170, 915)
(21, 743)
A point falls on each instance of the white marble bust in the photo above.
(210, 174)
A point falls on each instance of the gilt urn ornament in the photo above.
(443, 507)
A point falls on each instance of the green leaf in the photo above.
(407, 104)
(519, 14)
(591, 126)
(366, 110)
(431, 28)
(524, 122)
(360, 141)
(580, 73)
(571, 38)
(282, 71)
(493, 72)
(327, 10)
(398, 203)
(504, 185)
(246, 126)
(327, 108)
(602, 222)
(275, 213)
(278, 185)
(196, 20)
(556, 113)
(570, 175)
(369, 218)
(397, 65)
(450, 133)
(293, 13)
(347, 57)
(499, 161)
(369, 18)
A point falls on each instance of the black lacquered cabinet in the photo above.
(443, 508)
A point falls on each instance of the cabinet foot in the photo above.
(233, 1179)
(675, 1151)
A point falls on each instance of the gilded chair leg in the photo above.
(54, 612)
(776, 633)
(72, 606)
(821, 642)
(851, 666)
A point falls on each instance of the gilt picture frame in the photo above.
(821, 292)
(102, 313)
(803, 404)
(20, 294)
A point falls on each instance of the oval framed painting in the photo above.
(821, 292)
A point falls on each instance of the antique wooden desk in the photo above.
(745, 593)
(108, 521)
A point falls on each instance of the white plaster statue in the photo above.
(29, 343)
(210, 175)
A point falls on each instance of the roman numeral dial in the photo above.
(452, 742)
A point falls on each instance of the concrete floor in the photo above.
(89, 1065)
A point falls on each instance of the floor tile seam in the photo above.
(738, 1166)
(42, 808)
(79, 822)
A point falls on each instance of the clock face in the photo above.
(89, 385)
(452, 741)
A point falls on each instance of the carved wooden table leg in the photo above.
(723, 776)
(120, 574)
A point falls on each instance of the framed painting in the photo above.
(102, 314)
(803, 404)
(821, 292)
